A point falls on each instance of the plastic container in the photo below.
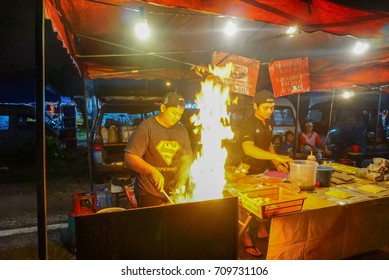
(101, 198)
(303, 174)
(324, 175)
(104, 134)
(113, 134)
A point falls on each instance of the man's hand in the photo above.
(327, 152)
(282, 163)
(283, 167)
(283, 159)
(157, 178)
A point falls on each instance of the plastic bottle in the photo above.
(108, 197)
(101, 198)
(104, 134)
(113, 134)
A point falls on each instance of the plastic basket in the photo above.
(282, 201)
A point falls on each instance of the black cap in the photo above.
(263, 96)
(173, 99)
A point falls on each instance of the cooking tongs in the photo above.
(168, 197)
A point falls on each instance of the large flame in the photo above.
(213, 124)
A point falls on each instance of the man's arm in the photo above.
(251, 150)
(139, 165)
(184, 173)
(322, 145)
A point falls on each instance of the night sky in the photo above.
(17, 67)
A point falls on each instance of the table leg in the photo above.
(244, 224)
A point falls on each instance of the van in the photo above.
(17, 127)
(351, 123)
(114, 121)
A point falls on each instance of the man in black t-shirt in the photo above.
(256, 137)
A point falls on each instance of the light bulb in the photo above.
(142, 30)
(230, 29)
(361, 47)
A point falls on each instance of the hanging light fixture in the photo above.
(291, 31)
(230, 28)
(142, 30)
(361, 47)
(347, 94)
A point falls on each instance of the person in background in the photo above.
(287, 147)
(310, 142)
(256, 139)
(277, 143)
(160, 153)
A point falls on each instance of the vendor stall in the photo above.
(335, 222)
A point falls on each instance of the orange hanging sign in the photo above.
(244, 74)
(290, 76)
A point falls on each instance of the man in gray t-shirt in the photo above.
(159, 151)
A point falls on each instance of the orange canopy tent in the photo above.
(98, 36)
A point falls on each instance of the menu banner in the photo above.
(244, 73)
(290, 76)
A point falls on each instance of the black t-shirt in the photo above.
(254, 130)
(162, 148)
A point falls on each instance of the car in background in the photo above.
(17, 128)
(114, 121)
(351, 125)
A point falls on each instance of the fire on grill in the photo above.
(213, 123)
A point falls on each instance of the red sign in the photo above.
(244, 73)
(290, 76)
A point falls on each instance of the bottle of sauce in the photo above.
(311, 157)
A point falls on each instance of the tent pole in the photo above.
(88, 146)
(296, 135)
(40, 130)
(376, 126)
(330, 117)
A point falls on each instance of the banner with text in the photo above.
(244, 74)
(290, 76)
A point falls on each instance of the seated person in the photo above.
(287, 147)
(277, 142)
(310, 141)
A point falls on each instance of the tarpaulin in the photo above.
(98, 36)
